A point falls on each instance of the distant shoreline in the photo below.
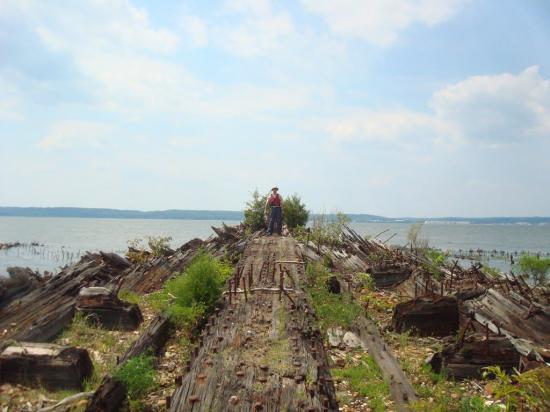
(76, 212)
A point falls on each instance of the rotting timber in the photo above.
(262, 350)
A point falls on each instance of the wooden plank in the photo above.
(45, 365)
(262, 351)
(401, 389)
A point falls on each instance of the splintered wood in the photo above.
(262, 350)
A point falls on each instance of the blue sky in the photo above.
(392, 107)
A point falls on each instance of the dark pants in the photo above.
(275, 219)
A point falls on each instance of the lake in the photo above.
(64, 240)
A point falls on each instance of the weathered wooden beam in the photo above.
(401, 389)
(45, 365)
(427, 316)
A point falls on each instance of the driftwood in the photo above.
(43, 313)
(400, 387)
(20, 282)
(389, 275)
(109, 396)
(100, 305)
(427, 316)
(152, 339)
(67, 403)
(261, 350)
(463, 360)
(45, 365)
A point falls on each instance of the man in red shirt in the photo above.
(275, 202)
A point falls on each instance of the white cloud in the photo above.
(389, 126)
(496, 108)
(108, 25)
(490, 110)
(261, 30)
(381, 21)
(68, 134)
(196, 30)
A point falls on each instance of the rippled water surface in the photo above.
(63, 240)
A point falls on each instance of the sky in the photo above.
(390, 107)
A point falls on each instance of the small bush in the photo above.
(328, 230)
(295, 212)
(254, 218)
(192, 294)
(159, 245)
(528, 391)
(138, 375)
(536, 268)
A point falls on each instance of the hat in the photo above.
(274, 188)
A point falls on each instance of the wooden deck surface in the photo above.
(262, 351)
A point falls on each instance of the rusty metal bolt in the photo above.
(258, 406)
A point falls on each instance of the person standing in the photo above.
(275, 202)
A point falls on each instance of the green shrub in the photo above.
(528, 391)
(476, 404)
(294, 212)
(192, 294)
(535, 267)
(138, 375)
(254, 218)
(328, 230)
(159, 245)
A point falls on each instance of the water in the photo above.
(64, 240)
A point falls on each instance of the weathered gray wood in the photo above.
(20, 282)
(263, 350)
(401, 389)
(42, 313)
(389, 275)
(45, 365)
(152, 339)
(100, 305)
(467, 360)
(427, 316)
(109, 396)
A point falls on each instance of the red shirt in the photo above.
(274, 200)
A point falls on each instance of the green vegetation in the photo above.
(254, 218)
(139, 376)
(528, 391)
(476, 404)
(332, 309)
(158, 246)
(536, 268)
(295, 212)
(327, 230)
(129, 296)
(366, 379)
(190, 296)
(437, 259)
